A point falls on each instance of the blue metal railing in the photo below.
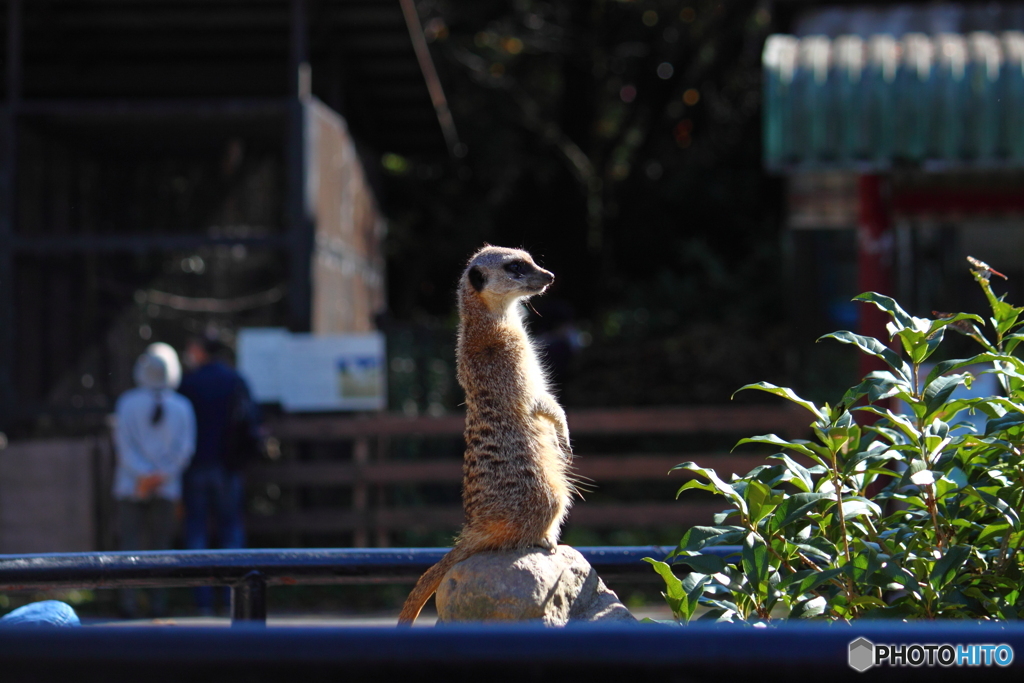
(518, 653)
(250, 572)
(598, 652)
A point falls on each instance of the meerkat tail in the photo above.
(428, 583)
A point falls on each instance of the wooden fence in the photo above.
(370, 518)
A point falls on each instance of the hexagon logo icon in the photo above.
(862, 654)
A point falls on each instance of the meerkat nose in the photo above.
(547, 276)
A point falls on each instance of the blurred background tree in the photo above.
(619, 142)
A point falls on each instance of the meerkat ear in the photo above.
(477, 278)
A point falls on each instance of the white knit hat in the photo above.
(170, 357)
(158, 368)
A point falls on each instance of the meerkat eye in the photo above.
(516, 268)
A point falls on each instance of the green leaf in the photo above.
(876, 453)
(867, 601)
(919, 345)
(902, 611)
(899, 575)
(1007, 422)
(956, 318)
(969, 329)
(924, 336)
(721, 517)
(803, 476)
(1011, 341)
(990, 533)
(809, 609)
(674, 594)
(951, 481)
(1004, 315)
(915, 466)
(901, 422)
(773, 440)
(693, 585)
(865, 563)
(857, 506)
(1008, 513)
(755, 560)
(698, 562)
(889, 305)
(786, 394)
(698, 537)
(717, 485)
(875, 348)
(947, 366)
(819, 548)
(948, 566)
(808, 579)
(796, 507)
(938, 391)
(843, 433)
(877, 386)
(760, 501)
(699, 485)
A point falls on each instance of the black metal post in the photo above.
(249, 599)
(8, 184)
(300, 225)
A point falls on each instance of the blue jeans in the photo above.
(45, 613)
(220, 492)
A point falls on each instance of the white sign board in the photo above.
(315, 373)
(259, 354)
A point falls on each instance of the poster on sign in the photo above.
(316, 373)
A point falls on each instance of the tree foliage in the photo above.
(619, 141)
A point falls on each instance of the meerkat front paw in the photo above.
(549, 545)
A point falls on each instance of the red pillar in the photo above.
(874, 260)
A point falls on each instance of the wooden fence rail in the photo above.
(704, 419)
(369, 468)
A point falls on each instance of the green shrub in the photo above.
(942, 537)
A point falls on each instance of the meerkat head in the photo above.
(501, 276)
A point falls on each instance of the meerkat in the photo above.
(516, 487)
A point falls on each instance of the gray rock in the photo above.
(527, 585)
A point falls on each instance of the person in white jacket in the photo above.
(155, 437)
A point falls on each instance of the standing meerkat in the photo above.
(516, 488)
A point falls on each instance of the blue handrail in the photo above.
(249, 572)
(164, 568)
(592, 653)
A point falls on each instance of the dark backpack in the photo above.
(244, 444)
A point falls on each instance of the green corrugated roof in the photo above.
(934, 102)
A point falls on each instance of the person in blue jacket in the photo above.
(226, 437)
(154, 437)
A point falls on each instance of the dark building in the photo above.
(899, 129)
